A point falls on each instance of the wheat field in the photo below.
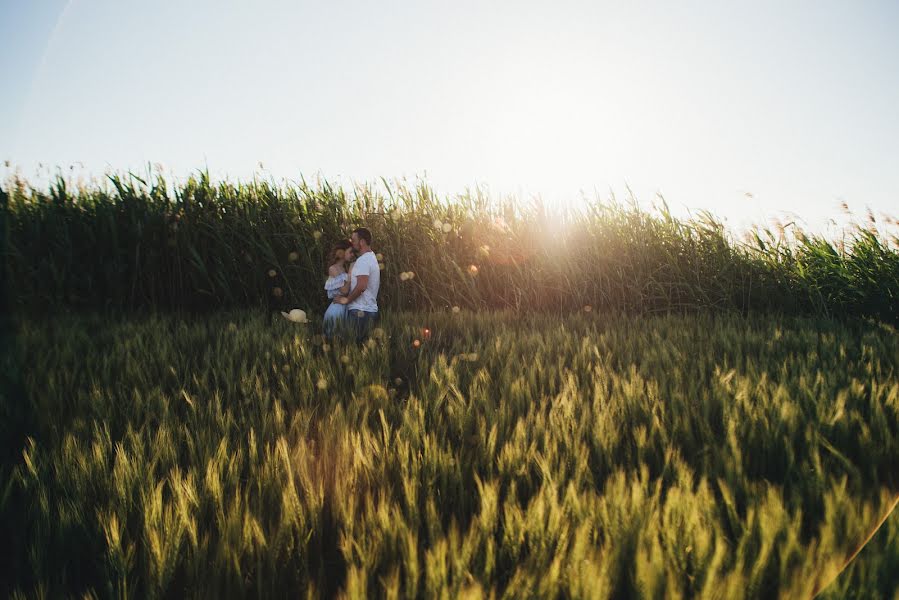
(505, 455)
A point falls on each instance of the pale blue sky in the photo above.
(794, 102)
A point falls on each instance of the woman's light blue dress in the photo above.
(336, 313)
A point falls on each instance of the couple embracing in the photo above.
(354, 278)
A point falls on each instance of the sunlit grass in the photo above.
(507, 454)
(201, 245)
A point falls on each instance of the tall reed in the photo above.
(142, 243)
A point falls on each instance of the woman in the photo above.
(337, 284)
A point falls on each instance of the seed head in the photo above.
(376, 392)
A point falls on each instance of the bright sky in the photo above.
(792, 102)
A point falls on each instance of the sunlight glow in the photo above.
(744, 111)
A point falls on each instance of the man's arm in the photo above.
(361, 284)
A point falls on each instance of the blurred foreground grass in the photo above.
(579, 456)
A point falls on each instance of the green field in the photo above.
(141, 244)
(612, 402)
(510, 455)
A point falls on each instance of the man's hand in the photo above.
(361, 284)
(342, 300)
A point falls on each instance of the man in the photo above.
(365, 279)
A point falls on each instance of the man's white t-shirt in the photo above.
(366, 264)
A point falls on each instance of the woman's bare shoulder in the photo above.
(333, 270)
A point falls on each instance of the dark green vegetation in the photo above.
(201, 246)
(587, 456)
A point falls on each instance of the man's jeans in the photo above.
(361, 322)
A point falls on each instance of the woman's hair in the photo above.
(338, 249)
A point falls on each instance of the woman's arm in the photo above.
(334, 271)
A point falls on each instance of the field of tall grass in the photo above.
(610, 402)
(508, 454)
(144, 243)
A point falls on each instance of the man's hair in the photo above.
(364, 234)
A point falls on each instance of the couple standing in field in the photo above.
(354, 277)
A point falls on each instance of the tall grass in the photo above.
(142, 243)
(509, 455)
